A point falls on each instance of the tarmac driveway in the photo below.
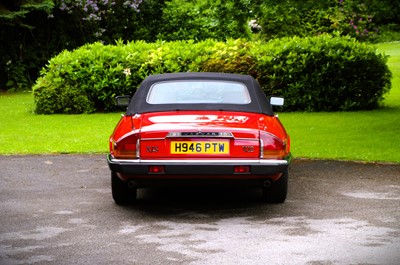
(58, 210)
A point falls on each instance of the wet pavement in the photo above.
(58, 210)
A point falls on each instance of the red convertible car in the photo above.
(199, 128)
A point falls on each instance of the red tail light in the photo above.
(242, 169)
(126, 148)
(271, 147)
(156, 169)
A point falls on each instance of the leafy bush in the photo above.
(296, 18)
(361, 19)
(322, 73)
(388, 33)
(203, 19)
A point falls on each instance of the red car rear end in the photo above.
(199, 146)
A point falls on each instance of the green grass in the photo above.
(365, 136)
(362, 136)
(393, 50)
(22, 132)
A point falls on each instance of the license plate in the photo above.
(200, 147)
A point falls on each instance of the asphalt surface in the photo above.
(58, 210)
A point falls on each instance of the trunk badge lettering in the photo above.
(152, 149)
(248, 148)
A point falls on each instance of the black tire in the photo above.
(277, 192)
(121, 193)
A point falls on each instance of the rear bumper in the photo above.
(192, 168)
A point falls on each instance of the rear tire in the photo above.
(277, 192)
(121, 193)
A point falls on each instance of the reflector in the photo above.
(242, 169)
(156, 169)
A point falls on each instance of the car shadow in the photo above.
(198, 202)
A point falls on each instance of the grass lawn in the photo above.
(363, 136)
(22, 132)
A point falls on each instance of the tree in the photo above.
(202, 19)
(32, 31)
(14, 13)
(18, 20)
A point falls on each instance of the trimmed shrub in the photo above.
(322, 73)
(98, 72)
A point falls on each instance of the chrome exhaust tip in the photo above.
(131, 184)
(267, 184)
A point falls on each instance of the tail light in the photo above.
(156, 169)
(271, 147)
(241, 169)
(126, 148)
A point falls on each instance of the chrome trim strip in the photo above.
(138, 147)
(261, 148)
(200, 134)
(271, 162)
(244, 139)
(127, 135)
(152, 139)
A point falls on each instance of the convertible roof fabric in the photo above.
(259, 102)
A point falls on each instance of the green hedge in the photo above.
(322, 73)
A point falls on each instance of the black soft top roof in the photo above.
(259, 102)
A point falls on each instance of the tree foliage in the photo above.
(358, 18)
(33, 35)
(14, 12)
(33, 31)
(202, 19)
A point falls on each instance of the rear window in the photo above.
(196, 92)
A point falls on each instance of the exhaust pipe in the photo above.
(131, 184)
(267, 184)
